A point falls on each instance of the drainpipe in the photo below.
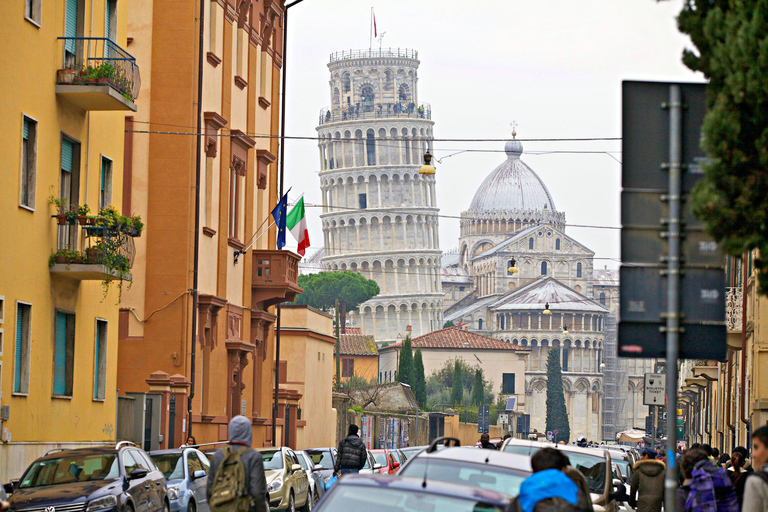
(744, 270)
(196, 258)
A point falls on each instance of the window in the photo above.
(480, 324)
(105, 183)
(22, 348)
(508, 383)
(33, 11)
(530, 243)
(370, 147)
(63, 354)
(208, 196)
(234, 203)
(110, 24)
(28, 163)
(129, 463)
(578, 269)
(69, 187)
(543, 268)
(100, 361)
(71, 19)
(362, 200)
(565, 359)
(347, 367)
(212, 28)
(194, 464)
(461, 288)
(602, 298)
(557, 244)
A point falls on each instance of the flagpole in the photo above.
(370, 33)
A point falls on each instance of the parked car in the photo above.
(287, 482)
(480, 469)
(410, 451)
(399, 457)
(371, 466)
(92, 479)
(394, 494)
(324, 460)
(186, 473)
(316, 482)
(386, 459)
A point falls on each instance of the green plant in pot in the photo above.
(82, 214)
(62, 207)
(64, 256)
(137, 226)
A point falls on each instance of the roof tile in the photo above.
(455, 337)
(357, 345)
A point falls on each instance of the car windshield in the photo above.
(522, 449)
(70, 469)
(623, 467)
(373, 499)
(321, 457)
(592, 467)
(171, 464)
(273, 459)
(481, 476)
(410, 452)
(380, 458)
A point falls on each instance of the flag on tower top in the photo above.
(375, 33)
(296, 222)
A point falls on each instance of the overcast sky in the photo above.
(553, 66)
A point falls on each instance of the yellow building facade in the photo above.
(68, 83)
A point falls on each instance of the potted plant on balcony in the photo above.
(71, 215)
(104, 73)
(82, 214)
(64, 256)
(95, 254)
(65, 76)
(61, 204)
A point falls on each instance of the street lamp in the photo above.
(427, 168)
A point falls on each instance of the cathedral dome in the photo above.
(512, 186)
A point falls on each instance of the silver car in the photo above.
(316, 482)
(186, 473)
(371, 466)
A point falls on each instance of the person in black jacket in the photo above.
(240, 434)
(352, 453)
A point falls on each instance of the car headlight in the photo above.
(102, 503)
(276, 485)
(173, 493)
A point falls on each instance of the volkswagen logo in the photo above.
(50, 509)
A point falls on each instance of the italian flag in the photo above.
(296, 222)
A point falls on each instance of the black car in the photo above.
(98, 479)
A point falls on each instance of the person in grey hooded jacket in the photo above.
(240, 433)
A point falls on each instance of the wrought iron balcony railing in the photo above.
(402, 53)
(399, 110)
(99, 61)
(733, 312)
(91, 252)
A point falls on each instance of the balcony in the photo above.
(400, 110)
(275, 278)
(394, 53)
(92, 253)
(733, 303)
(97, 75)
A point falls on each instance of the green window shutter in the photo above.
(103, 185)
(70, 26)
(67, 155)
(96, 361)
(60, 356)
(17, 352)
(26, 129)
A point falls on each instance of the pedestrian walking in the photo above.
(549, 488)
(756, 487)
(706, 487)
(237, 482)
(647, 483)
(738, 476)
(485, 442)
(352, 453)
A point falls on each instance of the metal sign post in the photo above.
(673, 287)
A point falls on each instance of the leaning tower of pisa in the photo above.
(379, 214)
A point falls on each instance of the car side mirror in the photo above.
(395, 465)
(198, 474)
(9, 487)
(296, 467)
(376, 467)
(137, 473)
(318, 467)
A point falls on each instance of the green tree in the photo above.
(478, 388)
(457, 390)
(419, 380)
(440, 383)
(731, 40)
(405, 365)
(322, 289)
(449, 323)
(557, 415)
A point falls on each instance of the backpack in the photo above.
(229, 492)
(711, 490)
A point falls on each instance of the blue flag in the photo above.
(280, 214)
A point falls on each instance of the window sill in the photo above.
(35, 23)
(209, 232)
(101, 400)
(61, 397)
(28, 208)
(240, 82)
(19, 394)
(213, 60)
(264, 102)
(236, 244)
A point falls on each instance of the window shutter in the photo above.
(17, 370)
(70, 26)
(103, 175)
(26, 129)
(60, 356)
(96, 362)
(67, 153)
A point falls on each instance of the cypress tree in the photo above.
(557, 414)
(405, 368)
(457, 390)
(477, 388)
(419, 379)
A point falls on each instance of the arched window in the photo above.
(578, 269)
(557, 244)
(543, 268)
(370, 147)
(480, 324)
(368, 98)
(602, 298)
(530, 243)
(565, 359)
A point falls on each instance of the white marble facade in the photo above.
(379, 214)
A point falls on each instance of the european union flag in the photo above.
(280, 214)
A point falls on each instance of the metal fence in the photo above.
(99, 61)
(378, 111)
(96, 245)
(403, 53)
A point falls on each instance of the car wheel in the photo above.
(266, 504)
(291, 503)
(166, 507)
(192, 507)
(310, 504)
(129, 508)
(316, 496)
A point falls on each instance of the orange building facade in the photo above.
(235, 350)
